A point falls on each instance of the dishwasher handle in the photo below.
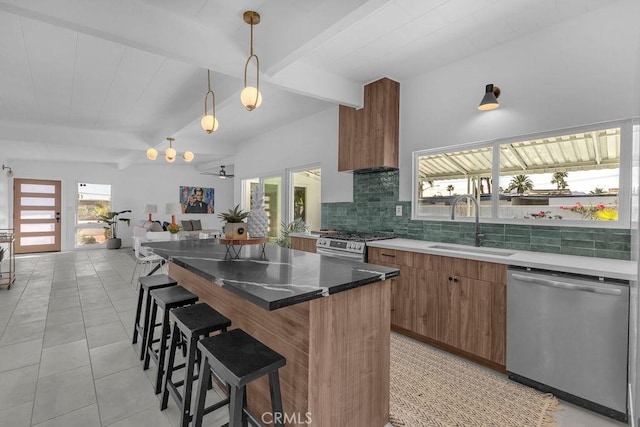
(565, 285)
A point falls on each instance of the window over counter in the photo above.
(571, 177)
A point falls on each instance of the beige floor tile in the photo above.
(64, 392)
(20, 355)
(64, 357)
(124, 394)
(18, 386)
(83, 417)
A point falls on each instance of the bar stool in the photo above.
(166, 299)
(147, 283)
(236, 358)
(190, 324)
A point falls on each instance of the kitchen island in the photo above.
(329, 317)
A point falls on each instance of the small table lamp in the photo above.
(150, 209)
(173, 209)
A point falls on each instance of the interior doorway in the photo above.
(36, 215)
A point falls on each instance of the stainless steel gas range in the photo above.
(351, 246)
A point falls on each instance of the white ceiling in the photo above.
(105, 80)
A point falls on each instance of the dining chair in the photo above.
(144, 258)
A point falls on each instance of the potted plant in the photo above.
(235, 228)
(295, 226)
(111, 229)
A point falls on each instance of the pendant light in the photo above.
(250, 96)
(490, 99)
(209, 122)
(170, 153)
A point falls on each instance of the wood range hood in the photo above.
(368, 137)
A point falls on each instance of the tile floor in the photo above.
(66, 357)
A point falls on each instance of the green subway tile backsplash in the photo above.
(375, 197)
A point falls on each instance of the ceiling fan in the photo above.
(222, 174)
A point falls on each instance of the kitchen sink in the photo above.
(474, 250)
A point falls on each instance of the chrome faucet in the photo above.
(475, 202)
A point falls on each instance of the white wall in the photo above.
(580, 72)
(132, 188)
(307, 141)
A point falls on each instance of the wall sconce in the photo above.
(9, 170)
(490, 99)
(173, 209)
(150, 209)
(209, 122)
(170, 153)
(250, 96)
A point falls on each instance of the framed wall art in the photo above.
(198, 200)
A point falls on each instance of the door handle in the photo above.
(568, 286)
(58, 217)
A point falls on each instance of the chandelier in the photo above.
(170, 153)
(250, 96)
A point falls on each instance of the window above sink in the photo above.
(574, 177)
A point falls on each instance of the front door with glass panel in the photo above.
(36, 205)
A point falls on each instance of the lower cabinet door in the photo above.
(427, 284)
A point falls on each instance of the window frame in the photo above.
(625, 184)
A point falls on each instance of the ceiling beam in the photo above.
(172, 36)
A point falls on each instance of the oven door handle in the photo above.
(339, 254)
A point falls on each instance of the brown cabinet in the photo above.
(307, 244)
(368, 137)
(456, 303)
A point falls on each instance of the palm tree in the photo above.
(520, 183)
(559, 180)
(450, 188)
(597, 190)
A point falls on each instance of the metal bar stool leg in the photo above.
(204, 379)
(149, 341)
(138, 315)
(162, 351)
(276, 399)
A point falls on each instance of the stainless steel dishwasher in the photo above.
(568, 334)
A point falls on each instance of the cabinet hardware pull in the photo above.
(455, 280)
(450, 278)
(391, 256)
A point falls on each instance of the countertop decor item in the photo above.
(173, 228)
(258, 221)
(235, 228)
(111, 229)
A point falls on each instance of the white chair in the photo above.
(144, 258)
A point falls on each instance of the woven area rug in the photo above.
(431, 388)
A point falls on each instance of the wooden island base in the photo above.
(337, 351)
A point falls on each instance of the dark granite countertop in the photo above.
(274, 279)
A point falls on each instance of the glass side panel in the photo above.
(273, 204)
(90, 236)
(37, 214)
(248, 185)
(37, 201)
(37, 240)
(37, 188)
(307, 197)
(93, 200)
(37, 228)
